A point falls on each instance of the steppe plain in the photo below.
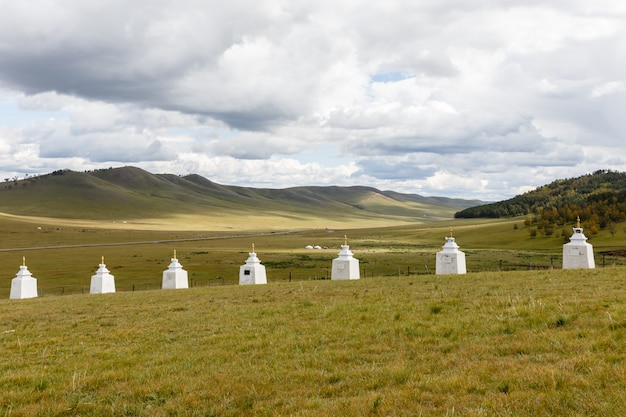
(516, 336)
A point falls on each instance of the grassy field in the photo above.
(64, 258)
(519, 343)
(400, 341)
(516, 336)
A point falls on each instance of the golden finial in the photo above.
(345, 240)
(174, 253)
(450, 231)
(102, 260)
(253, 248)
(578, 222)
(23, 260)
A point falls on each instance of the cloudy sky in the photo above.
(459, 98)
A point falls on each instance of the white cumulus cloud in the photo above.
(478, 99)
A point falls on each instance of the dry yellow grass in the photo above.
(223, 222)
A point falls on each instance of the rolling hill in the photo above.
(133, 194)
(598, 200)
(575, 194)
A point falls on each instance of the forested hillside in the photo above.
(599, 199)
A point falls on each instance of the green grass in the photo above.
(397, 342)
(400, 341)
(531, 343)
(213, 258)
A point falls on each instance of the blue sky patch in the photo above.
(390, 77)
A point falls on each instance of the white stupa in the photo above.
(175, 276)
(345, 266)
(577, 253)
(102, 282)
(252, 272)
(24, 285)
(450, 260)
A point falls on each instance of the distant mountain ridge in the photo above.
(131, 192)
